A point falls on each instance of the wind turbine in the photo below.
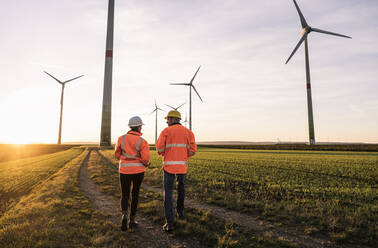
(61, 102)
(176, 107)
(190, 84)
(306, 29)
(156, 110)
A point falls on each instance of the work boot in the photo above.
(124, 222)
(168, 227)
(133, 223)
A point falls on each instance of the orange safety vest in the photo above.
(174, 144)
(133, 152)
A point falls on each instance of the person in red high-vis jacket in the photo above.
(133, 153)
(176, 143)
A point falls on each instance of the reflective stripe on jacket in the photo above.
(174, 143)
(133, 153)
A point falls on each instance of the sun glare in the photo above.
(28, 118)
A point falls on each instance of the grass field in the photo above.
(57, 214)
(323, 192)
(12, 152)
(201, 225)
(18, 177)
(296, 146)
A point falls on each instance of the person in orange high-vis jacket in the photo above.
(176, 143)
(133, 153)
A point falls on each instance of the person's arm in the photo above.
(117, 149)
(145, 153)
(193, 145)
(160, 143)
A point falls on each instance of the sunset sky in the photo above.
(249, 93)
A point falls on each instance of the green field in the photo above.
(12, 152)
(18, 177)
(55, 213)
(323, 192)
(199, 225)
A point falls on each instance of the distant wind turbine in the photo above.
(156, 110)
(306, 29)
(61, 102)
(190, 84)
(186, 120)
(174, 107)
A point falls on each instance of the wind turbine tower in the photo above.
(306, 29)
(190, 84)
(156, 110)
(61, 103)
(106, 120)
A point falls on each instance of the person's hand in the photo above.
(191, 153)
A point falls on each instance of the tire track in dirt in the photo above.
(251, 223)
(146, 235)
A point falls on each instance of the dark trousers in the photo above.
(126, 180)
(168, 197)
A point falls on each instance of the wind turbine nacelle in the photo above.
(306, 30)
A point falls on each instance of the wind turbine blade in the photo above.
(171, 106)
(195, 74)
(152, 112)
(297, 46)
(180, 106)
(194, 88)
(155, 103)
(161, 109)
(180, 84)
(303, 20)
(331, 33)
(73, 79)
(53, 77)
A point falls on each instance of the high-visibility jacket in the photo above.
(176, 143)
(133, 153)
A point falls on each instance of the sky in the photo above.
(248, 92)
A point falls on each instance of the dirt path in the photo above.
(251, 223)
(146, 235)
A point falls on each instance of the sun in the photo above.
(26, 118)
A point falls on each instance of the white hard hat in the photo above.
(135, 121)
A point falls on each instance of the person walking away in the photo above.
(133, 153)
(176, 143)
